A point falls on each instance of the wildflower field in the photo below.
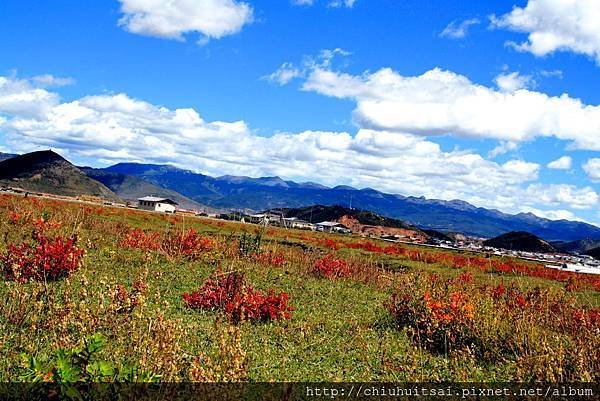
(100, 294)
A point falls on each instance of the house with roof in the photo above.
(156, 204)
(332, 227)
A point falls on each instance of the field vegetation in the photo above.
(101, 294)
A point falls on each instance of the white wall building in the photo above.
(155, 204)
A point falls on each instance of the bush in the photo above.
(331, 267)
(440, 323)
(230, 293)
(42, 259)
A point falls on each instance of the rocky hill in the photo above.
(48, 172)
(520, 241)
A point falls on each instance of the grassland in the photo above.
(455, 317)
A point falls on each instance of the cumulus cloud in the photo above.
(555, 25)
(512, 82)
(116, 127)
(562, 163)
(175, 18)
(459, 29)
(441, 102)
(592, 169)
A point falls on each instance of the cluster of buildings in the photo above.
(575, 263)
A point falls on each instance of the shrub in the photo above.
(440, 323)
(138, 239)
(331, 267)
(189, 245)
(239, 301)
(42, 259)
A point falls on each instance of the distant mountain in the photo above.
(594, 253)
(579, 246)
(132, 188)
(318, 213)
(48, 172)
(4, 156)
(520, 241)
(230, 192)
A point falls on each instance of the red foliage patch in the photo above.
(331, 267)
(238, 300)
(138, 239)
(269, 258)
(42, 259)
(189, 244)
(439, 323)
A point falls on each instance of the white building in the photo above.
(332, 227)
(155, 204)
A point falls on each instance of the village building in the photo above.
(156, 204)
(332, 227)
(294, 222)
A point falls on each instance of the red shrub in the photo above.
(440, 323)
(189, 244)
(269, 258)
(331, 267)
(239, 301)
(42, 259)
(138, 239)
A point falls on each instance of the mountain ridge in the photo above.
(449, 216)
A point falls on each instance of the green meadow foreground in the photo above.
(100, 294)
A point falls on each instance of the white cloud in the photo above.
(555, 25)
(458, 30)
(113, 128)
(332, 3)
(49, 80)
(592, 169)
(562, 194)
(512, 82)
(552, 74)
(284, 74)
(560, 214)
(342, 3)
(442, 102)
(562, 163)
(502, 148)
(175, 18)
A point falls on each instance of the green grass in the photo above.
(339, 331)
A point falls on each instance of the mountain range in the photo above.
(48, 172)
(228, 192)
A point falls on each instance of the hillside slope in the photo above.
(132, 188)
(579, 246)
(520, 241)
(5, 156)
(273, 192)
(48, 172)
(594, 253)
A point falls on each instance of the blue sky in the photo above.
(446, 99)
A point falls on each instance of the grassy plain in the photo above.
(456, 316)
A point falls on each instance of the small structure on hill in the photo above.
(156, 204)
(332, 227)
(294, 222)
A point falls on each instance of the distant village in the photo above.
(562, 261)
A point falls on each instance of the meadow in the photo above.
(95, 293)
